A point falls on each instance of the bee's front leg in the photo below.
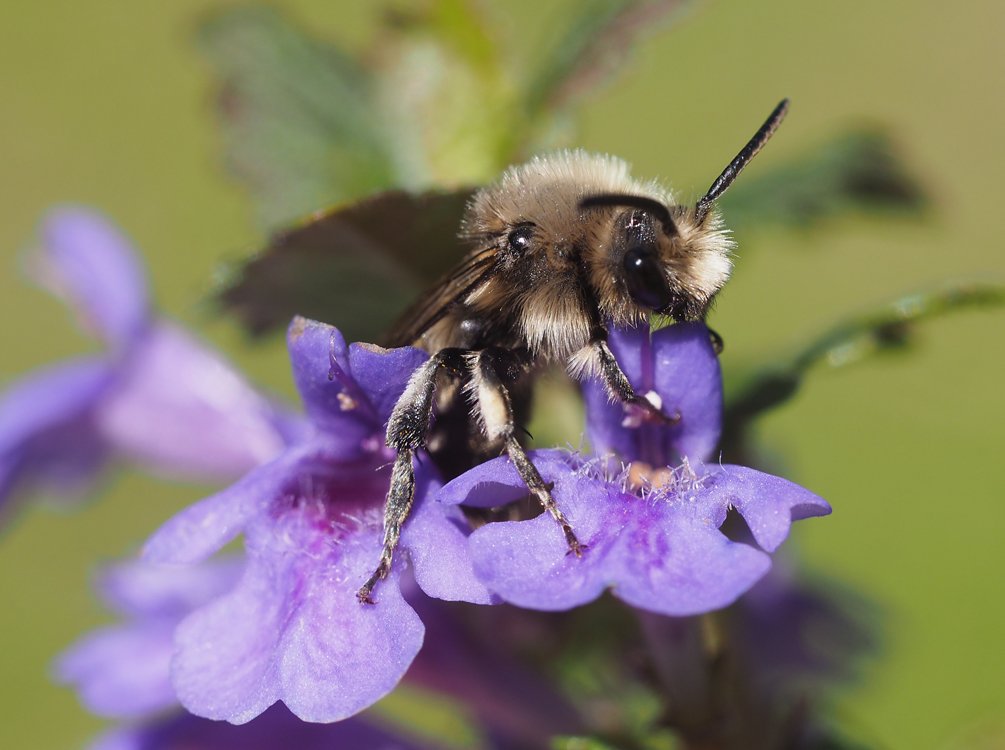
(489, 392)
(599, 358)
(406, 433)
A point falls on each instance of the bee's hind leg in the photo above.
(406, 433)
(489, 391)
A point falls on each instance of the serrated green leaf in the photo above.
(890, 327)
(356, 267)
(855, 172)
(301, 126)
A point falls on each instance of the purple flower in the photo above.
(651, 524)
(123, 671)
(292, 630)
(158, 396)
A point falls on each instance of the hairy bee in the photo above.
(562, 247)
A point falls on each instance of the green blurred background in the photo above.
(107, 103)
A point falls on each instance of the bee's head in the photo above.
(673, 260)
(660, 259)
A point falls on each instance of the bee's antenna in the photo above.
(748, 152)
(650, 205)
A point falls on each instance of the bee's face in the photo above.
(647, 265)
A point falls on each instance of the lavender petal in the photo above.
(679, 365)
(528, 563)
(674, 563)
(224, 664)
(47, 432)
(89, 263)
(122, 671)
(768, 504)
(202, 529)
(181, 409)
(436, 538)
(339, 656)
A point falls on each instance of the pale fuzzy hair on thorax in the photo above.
(548, 189)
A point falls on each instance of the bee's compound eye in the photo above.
(519, 239)
(646, 282)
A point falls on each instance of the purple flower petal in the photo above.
(383, 374)
(528, 562)
(436, 538)
(496, 482)
(293, 631)
(347, 392)
(202, 529)
(139, 589)
(92, 266)
(224, 665)
(675, 563)
(663, 552)
(47, 432)
(679, 365)
(768, 504)
(123, 671)
(49, 398)
(339, 656)
(181, 409)
(334, 404)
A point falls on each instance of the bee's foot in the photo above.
(648, 409)
(576, 547)
(365, 593)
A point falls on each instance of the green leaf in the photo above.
(301, 127)
(890, 327)
(444, 86)
(855, 172)
(356, 267)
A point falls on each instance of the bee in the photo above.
(561, 248)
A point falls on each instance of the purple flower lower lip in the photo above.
(662, 552)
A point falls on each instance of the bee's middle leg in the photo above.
(496, 412)
(406, 433)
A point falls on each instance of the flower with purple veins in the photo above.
(158, 396)
(292, 629)
(651, 518)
